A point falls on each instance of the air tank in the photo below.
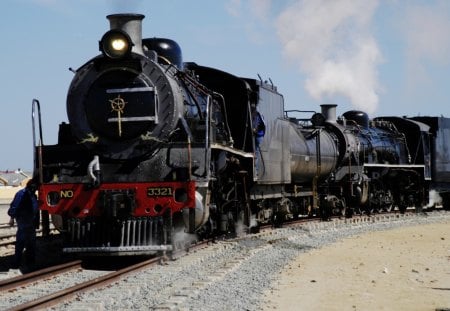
(313, 153)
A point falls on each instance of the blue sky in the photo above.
(387, 57)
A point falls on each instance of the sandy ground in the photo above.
(401, 269)
(7, 194)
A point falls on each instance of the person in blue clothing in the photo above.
(259, 130)
(24, 210)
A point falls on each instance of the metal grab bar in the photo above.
(37, 159)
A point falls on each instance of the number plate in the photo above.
(159, 192)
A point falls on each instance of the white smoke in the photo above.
(331, 42)
(182, 239)
(242, 229)
(434, 198)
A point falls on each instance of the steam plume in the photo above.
(330, 41)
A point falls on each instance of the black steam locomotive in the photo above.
(156, 146)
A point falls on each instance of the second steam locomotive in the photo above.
(156, 146)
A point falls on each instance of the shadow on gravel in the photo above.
(48, 253)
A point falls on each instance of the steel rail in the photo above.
(68, 293)
(65, 294)
(38, 275)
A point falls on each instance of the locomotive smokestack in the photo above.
(329, 112)
(132, 25)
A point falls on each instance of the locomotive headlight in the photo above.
(119, 44)
(115, 44)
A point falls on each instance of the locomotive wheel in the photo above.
(277, 219)
(430, 208)
(231, 226)
(388, 207)
(325, 212)
(343, 208)
(445, 201)
(402, 208)
(419, 208)
(349, 212)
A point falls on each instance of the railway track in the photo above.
(50, 286)
(27, 292)
(7, 234)
(8, 239)
(15, 283)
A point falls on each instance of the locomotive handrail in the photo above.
(296, 110)
(37, 158)
(302, 121)
(37, 162)
(225, 114)
(208, 116)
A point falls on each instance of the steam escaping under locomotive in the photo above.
(156, 146)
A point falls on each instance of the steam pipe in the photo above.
(329, 112)
(94, 170)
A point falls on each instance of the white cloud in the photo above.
(255, 17)
(251, 9)
(261, 9)
(233, 7)
(427, 32)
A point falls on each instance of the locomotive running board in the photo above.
(394, 165)
(116, 249)
(232, 150)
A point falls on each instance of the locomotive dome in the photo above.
(167, 50)
(359, 117)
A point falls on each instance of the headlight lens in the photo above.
(119, 44)
(115, 44)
